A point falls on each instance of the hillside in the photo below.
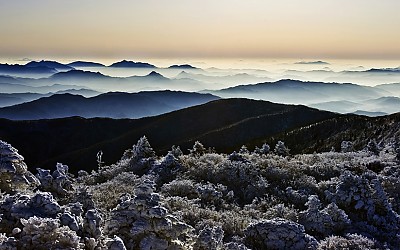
(224, 124)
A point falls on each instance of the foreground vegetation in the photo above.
(203, 200)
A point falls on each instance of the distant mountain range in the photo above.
(48, 64)
(241, 78)
(224, 124)
(294, 91)
(16, 69)
(182, 66)
(9, 99)
(45, 67)
(112, 105)
(312, 63)
(82, 64)
(371, 107)
(131, 64)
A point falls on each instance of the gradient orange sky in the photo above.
(352, 29)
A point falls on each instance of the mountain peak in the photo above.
(49, 64)
(155, 74)
(182, 66)
(130, 64)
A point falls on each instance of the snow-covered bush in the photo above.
(198, 149)
(14, 175)
(57, 182)
(106, 195)
(236, 157)
(281, 149)
(346, 146)
(209, 238)
(321, 223)
(143, 223)
(373, 147)
(176, 151)
(205, 201)
(143, 149)
(182, 188)
(46, 233)
(364, 200)
(142, 156)
(243, 150)
(264, 150)
(351, 241)
(278, 234)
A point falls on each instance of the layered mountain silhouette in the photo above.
(11, 88)
(312, 63)
(182, 66)
(225, 124)
(372, 107)
(131, 64)
(112, 105)
(49, 64)
(9, 99)
(16, 69)
(82, 64)
(240, 78)
(294, 91)
(78, 75)
(101, 82)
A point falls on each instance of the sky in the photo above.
(336, 29)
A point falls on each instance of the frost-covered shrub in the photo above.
(198, 149)
(182, 188)
(176, 151)
(209, 238)
(242, 178)
(41, 204)
(282, 211)
(46, 233)
(106, 195)
(7, 243)
(264, 150)
(364, 200)
(211, 194)
(346, 146)
(167, 170)
(296, 197)
(235, 246)
(57, 182)
(321, 223)
(236, 157)
(278, 234)
(115, 243)
(351, 241)
(143, 223)
(92, 223)
(143, 149)
(243, 150)
(14, 175)
(373, 147)
(281, 149)
(392, 188)
(142, 156)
